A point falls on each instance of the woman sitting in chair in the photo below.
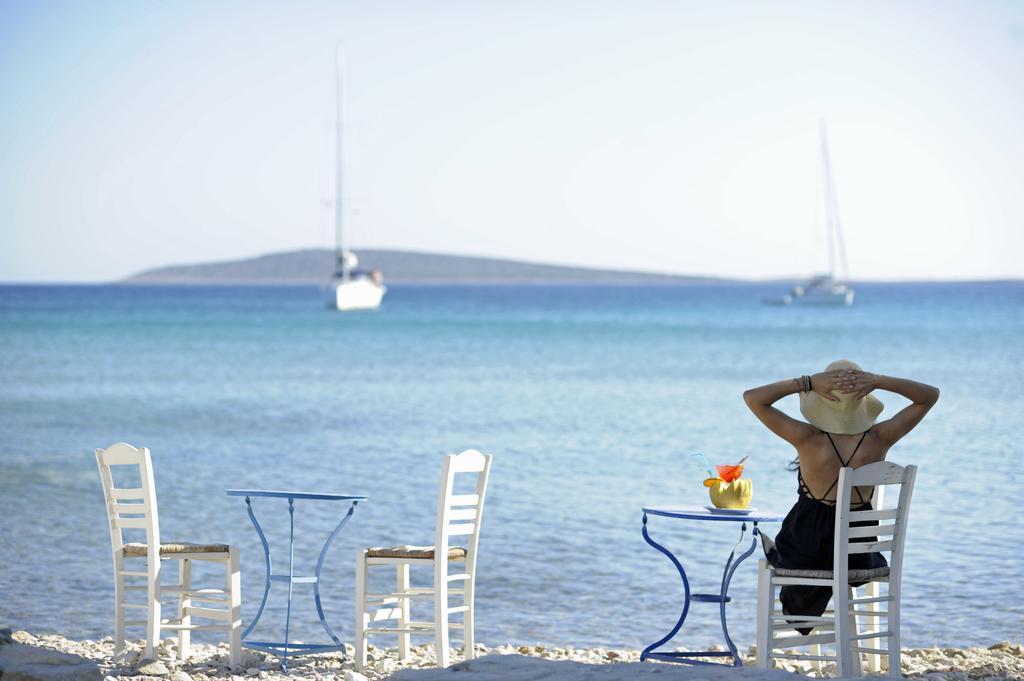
(841, 431)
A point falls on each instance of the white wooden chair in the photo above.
(839, 625)
(457, 515)
(134, 508)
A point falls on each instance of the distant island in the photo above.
(315, 266)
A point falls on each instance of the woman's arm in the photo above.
(922, 396)
(760, 401)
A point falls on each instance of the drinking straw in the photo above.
(707, 464)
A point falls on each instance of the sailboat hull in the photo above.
(834, 297)
(816, 295)
(356, 294)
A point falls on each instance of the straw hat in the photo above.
(848, 416)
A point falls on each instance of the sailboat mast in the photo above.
(833, 225)
(342, 267)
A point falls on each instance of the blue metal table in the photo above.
(722, 597)
(285, 648)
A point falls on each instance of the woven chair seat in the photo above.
(855, 575)
(170, 548)
(421, 552)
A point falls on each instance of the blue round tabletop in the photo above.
(703, 513)
(280, 494)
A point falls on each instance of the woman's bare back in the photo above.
(819, 463)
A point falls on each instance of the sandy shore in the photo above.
(25, 656)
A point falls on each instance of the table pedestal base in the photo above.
(285, 648)
(690, 657)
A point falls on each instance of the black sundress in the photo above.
(806, 542)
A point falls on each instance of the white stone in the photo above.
(21, 662)
(153, 668)
(354, 676)
(385, 666)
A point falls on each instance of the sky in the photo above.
(664, 136)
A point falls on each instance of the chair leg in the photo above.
(184, 603)
(854, 630)
(841, 604)
(361, 619)
(235, 600)
(894, 658)
(469, 639)
(765, 608)
(441, 612)
(874, 660)
(816, 650)
(403, 603)
(118, 605)
(153, 610)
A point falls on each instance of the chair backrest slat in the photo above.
(121, 454)
(128, 494)
(470, 461)
(462, 514)
(131, 523)
(869, 546)
(884, 514)
(877, 473)
(872, 531)
(131, 509)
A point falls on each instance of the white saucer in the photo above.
(731, 511)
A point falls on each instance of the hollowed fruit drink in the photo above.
(729, 489)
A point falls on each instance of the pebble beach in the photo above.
(52, 657)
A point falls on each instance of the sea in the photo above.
(593, 401)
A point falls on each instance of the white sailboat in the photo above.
(351, 288)
(831, 288)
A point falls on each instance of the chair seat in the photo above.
(420, 552)
(170, 548)
(855, 575)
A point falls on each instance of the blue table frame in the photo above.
(722, 597)
(285, 648)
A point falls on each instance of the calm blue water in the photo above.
(590, 399)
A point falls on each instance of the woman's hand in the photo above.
(860, 383)
(824, 383)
